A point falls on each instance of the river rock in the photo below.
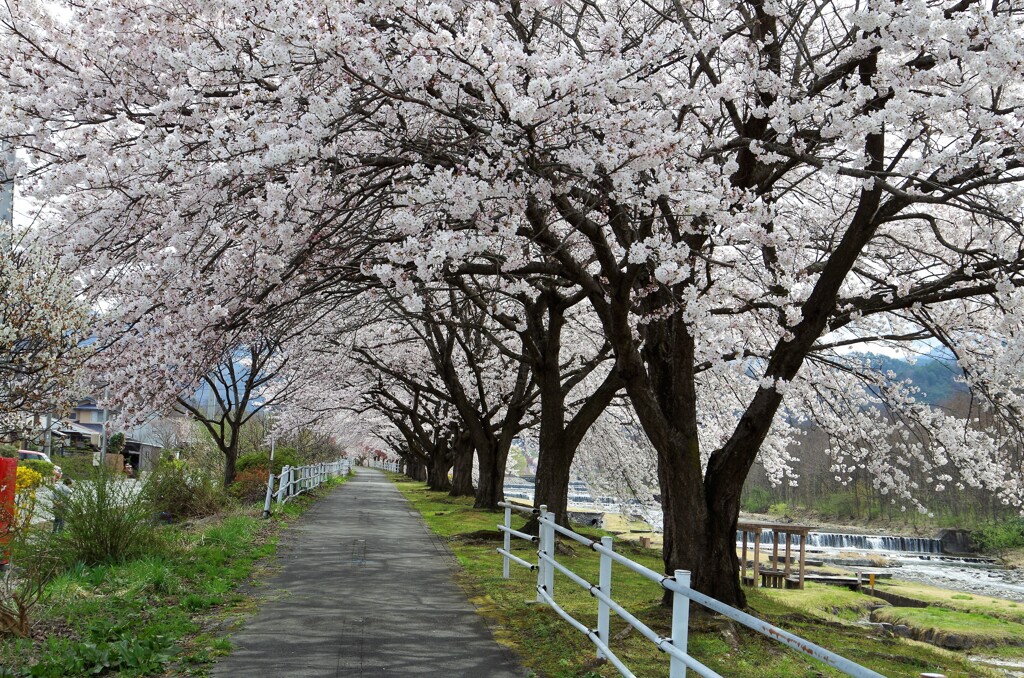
(956, 541)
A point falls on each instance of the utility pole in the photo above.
(6, 185)
(101, 456)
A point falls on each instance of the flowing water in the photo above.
(917, 559)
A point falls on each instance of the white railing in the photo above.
(679, 585)
(294, 480)
(383, 465)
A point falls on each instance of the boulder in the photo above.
(956, 541)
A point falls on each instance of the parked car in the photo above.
(30, 455)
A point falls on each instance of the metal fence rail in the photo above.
(294, 480)
(675, 646)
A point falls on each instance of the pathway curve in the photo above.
(365, 589)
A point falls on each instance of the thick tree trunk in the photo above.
(554, 464)
(700, 535)
(462, 469)
(437, 474)
(415, 470)
(699, 524)
(491, 488)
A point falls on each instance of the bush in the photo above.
(758, 500)
(250, 485)
(841, 505)
(8, 451)
(77, 466)
(177, 490)
(779, 509)
(107, 519)
(999, 537)
(43, 468)
(283, 456)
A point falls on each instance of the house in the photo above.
(82, 431)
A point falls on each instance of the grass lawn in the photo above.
(166, 612)
(979, 628)
(953, 600)
(550, 647)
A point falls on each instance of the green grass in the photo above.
(975, 604)
(168, 608)
(550, 647)
(981, 629)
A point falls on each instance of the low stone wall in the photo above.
(892, 598)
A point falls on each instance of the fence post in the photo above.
(281, 486)
(270, 494)
(680, 624)
(508, 542)
(549, 573)
(541, 545)
(605, 584)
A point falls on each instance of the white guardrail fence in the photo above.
(679, 585)
(294, 480)
(383, 465)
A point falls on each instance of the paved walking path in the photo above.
(365, 590)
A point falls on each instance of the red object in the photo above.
(8, 482)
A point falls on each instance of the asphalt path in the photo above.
(365, 589)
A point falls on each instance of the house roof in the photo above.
(81, 429)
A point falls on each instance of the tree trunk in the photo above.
(415, 470)
(462, 470)
(554, 464)
(230, 457)
(700, 533)
(437, 474)
(491, 488)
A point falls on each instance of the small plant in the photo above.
(43, 468)
(107, 650)
(778, 509)
(250, 485)
(177, 490)
(283, 456)
(116, 443)
(107, 520)
(23, 585)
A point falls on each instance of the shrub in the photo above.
(43, 468)
(778, 509)
(283, 456)
(34, 567)
(107, 519)
(250, 485)
(177, 490)
(26, 479)
(999, 537)
(840, 505)
(77, 466)
(116, 443)
(8, 451)
(758, 500)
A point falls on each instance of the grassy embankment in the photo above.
(550, 647)
(169, 611)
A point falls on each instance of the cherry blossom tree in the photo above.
(574, 382)
(743, 191)
(42, 330)
(247, 380)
